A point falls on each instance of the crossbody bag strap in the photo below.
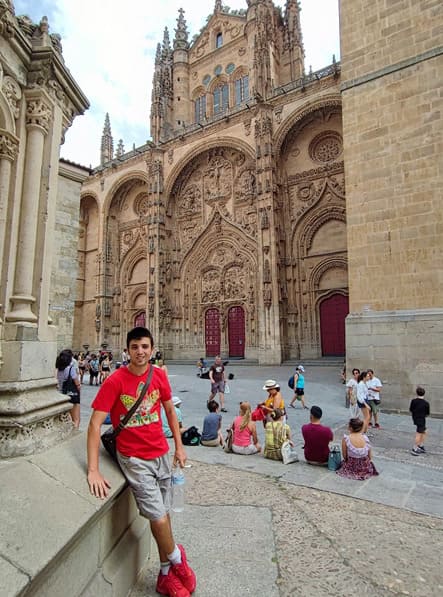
(135, 406)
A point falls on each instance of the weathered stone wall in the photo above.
(57, 539)
(392, 76)
(65, 260)
(393, 125)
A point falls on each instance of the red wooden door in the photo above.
(212, 332)
(236, 332)
(333, 311)
(140, 320)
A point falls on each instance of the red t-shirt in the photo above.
(143, 435)
(317, 438)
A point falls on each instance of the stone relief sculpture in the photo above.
(210, 285)
(217, 180)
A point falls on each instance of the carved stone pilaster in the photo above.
(38, 113)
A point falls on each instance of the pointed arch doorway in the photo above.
(236, 332)
(333, 312)
(212, 332)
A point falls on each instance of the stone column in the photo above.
(38, 115)
(33, 414)
(8, 152)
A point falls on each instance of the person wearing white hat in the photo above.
(273, 401)
(299, 386)
(176, 401)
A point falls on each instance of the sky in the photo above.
(109, 47)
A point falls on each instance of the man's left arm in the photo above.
(171, 415)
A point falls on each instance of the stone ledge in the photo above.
(48, 515)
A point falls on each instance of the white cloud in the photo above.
(110, 49)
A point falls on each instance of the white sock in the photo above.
(164, 567)
(175, 557)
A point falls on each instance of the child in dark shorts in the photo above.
(419, 409)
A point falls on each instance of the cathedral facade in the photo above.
(227, 232)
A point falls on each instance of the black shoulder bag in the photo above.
(109, 437)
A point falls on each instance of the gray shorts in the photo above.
(217, 387)
(150, 481)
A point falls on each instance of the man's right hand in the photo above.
(98, 485)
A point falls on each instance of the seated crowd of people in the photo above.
(355, 446)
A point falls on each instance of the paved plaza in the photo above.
(257, 527)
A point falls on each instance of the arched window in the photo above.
(241, 89)
(219, 40)
(200, 108)
(221, 98)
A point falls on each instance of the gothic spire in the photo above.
(166, 47)
(158, 54)
(181, 33)
(107, 145)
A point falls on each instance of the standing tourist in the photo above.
(374, 386)
(419, 409)
(362, 399)
(142, 452)
(218, 380)
(299, 386)
(66, 371)
(351, 393)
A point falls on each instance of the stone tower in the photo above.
(392, 65)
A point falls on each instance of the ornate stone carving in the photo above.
(245, 187)
(38, 113)
(234, 283)
(22, 439)
(210, 286)
(247, 218)
(190, 201)
(141, 204)
(326, 147)
(217, 180)
(278, 112)
(13, 94)
(8, 147)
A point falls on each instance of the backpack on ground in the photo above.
(191, 437)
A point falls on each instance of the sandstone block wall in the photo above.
(65, 259)
(392, 75)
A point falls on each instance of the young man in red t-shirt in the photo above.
(142, 452)
(317, 438)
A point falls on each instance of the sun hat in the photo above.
(270, 384)
(300, 368)
(176, 401)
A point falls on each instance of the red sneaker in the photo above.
(377, 426)
(184, 572)
(170, 585)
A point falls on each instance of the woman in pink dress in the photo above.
(357, 454)
(245, 432)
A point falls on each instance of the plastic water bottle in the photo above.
(178, 490)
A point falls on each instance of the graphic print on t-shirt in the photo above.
(143, 415)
